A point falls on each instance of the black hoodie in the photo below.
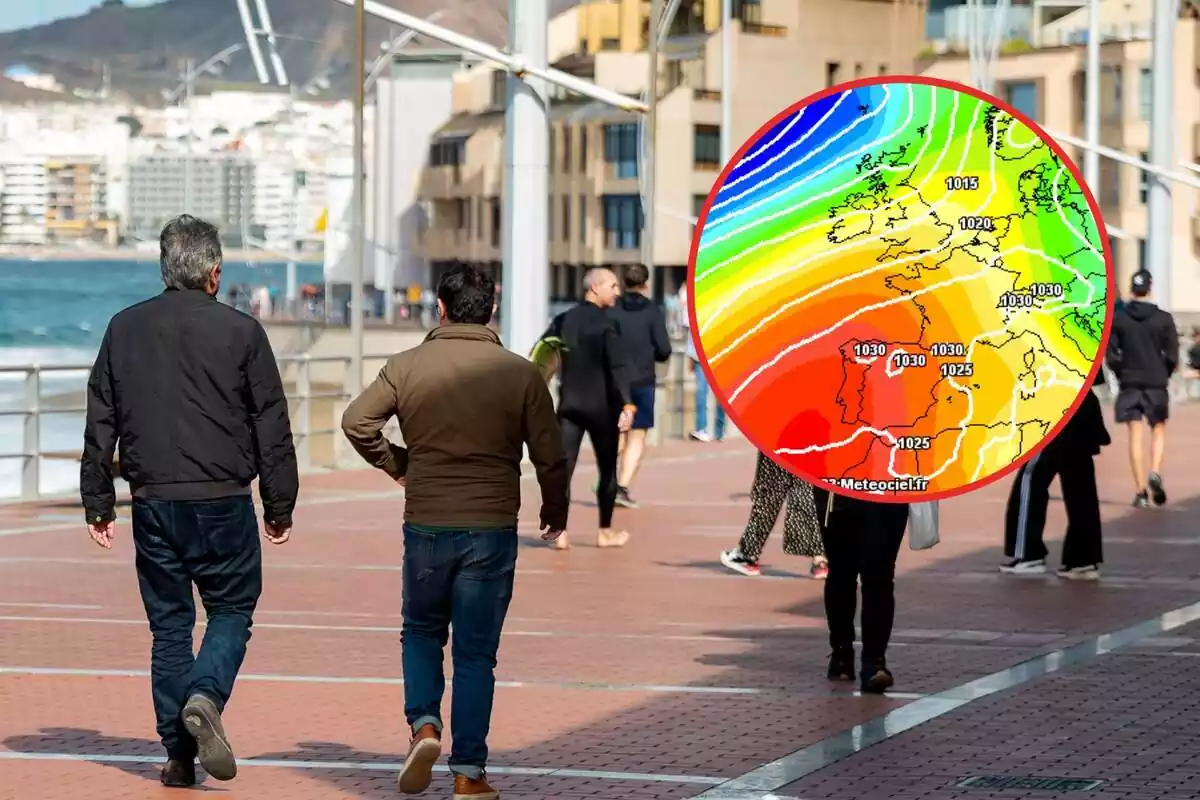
(1143, 349)
(643, 328)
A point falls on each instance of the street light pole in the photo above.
(726, 81)
(189, 81)
(649, 211)
(1091, 101)
(1162, 147)
(525, 295)
(359, 213)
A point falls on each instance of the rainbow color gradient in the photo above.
(900, 289)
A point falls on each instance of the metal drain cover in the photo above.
(1029, 783)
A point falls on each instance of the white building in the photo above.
(23, 200)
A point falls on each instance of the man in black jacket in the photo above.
(593, 391)
(1143, 352)
(643, 329)
(190, 390)
(1071, 456)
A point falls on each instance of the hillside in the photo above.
(144, 48)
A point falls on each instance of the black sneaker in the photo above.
(1141, 500)
(623, 498)
(876, 678)
(1157, 493)
(841, 665)
(1035, 566)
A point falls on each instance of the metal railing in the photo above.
(304, 391)
(301, 390)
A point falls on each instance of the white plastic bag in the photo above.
(923, 525)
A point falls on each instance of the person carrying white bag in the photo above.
(862, 541)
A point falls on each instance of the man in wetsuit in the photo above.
(593, 394)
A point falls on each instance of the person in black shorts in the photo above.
(643, 329)
(1143, 352)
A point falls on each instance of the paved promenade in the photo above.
(648, 672)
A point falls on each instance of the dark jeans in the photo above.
(601, 428)
(214, 545)
(862, 541)
(461, 579)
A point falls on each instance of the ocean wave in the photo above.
(45, 356)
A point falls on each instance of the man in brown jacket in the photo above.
(466, 407)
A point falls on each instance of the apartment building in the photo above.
(1046, 82)
(783, 51)
(222, 191)
(23, 200)
(77, 202)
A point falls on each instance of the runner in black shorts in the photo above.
(643, 329)
(1143, 352)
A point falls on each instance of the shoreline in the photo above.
(74, 254)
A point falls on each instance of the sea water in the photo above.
(55, 313)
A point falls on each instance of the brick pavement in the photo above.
(642, 673)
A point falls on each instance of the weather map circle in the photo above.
(900, 289)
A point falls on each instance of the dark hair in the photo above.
(636, 276)
(1140, 283)
(189, 248)
(468, 294)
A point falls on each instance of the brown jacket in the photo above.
(466, 406)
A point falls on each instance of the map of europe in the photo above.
(900, 289)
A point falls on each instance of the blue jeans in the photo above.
(461, 579)
(702, 404)
(213, 544)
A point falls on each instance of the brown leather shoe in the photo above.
(474, 788)
(202, 720)
(424, 751)
(178, 773)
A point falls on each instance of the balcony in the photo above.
(764, 29)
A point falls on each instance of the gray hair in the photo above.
(593, 277)
(189, 249)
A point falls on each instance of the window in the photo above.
(479, 218)
(1141, 254)
(566, 218)
(583, 148)
(706, 147)
(1114, 245)
(857, 70)
(1023, 96)
(1145, 93)
(495, 222)
(622, 221)
(447, 152)
(583, 237)
(620, 148)
(499, 88)
(1143, 180)
(883, 69)
(698, 204)
(831, 72)
(609, 43)
(568, 134)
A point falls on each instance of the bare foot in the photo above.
(561, 542)
(608, 538)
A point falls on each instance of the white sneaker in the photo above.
(701, 436)
(1019, 567)
(1091, 572)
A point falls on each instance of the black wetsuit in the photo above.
(593, 388)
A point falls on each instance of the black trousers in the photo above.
(214, 545)
(1025, 517)
(862, 541)
(601, 429)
